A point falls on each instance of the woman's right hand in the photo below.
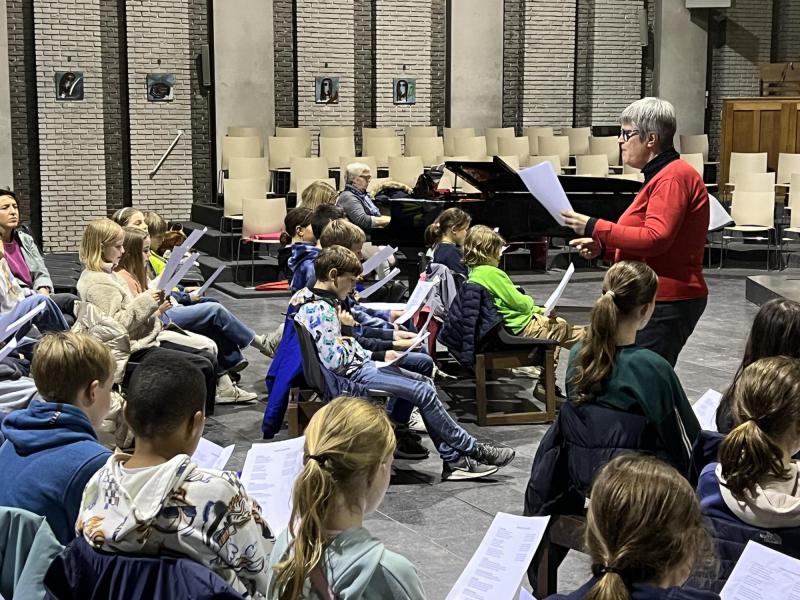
(587, 247)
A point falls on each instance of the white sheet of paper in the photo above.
(542, 181)
(212, 456)
(11, 328)
(718, 216)
(763, 574)
(8, 348)
(525, 595)
(414, 343)
(209, 281)
(706, 409)
(417, 299)
(384, 305)
(495, 570)
(268, 476)
(176, 278)
(372, 262)
(379, 284)
(556, 295)
(179, 252)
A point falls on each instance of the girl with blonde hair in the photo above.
(317, 194)
(326, 552)
(644, 534)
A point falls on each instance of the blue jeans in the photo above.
(449, 438)
(418, 362)
(50, 319)
(214, 321)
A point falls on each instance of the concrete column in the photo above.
(6, 166)
(476, 63)
(681, 39)
(244, 67)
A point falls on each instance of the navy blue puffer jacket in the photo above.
(471, 318)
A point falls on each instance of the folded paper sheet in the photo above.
(542, 181)
(556, 295)
(212, 456)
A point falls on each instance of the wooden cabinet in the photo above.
(768, 125)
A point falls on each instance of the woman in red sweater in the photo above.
(665, 226)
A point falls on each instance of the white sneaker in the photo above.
(415, 422)
(229, 393)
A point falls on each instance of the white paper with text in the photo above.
(178, 253)
(417, 299)
(373, 261)
(556, 295)
(167, 286)
(212, 456)
(762, 573)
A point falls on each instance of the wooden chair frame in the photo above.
(565, 531)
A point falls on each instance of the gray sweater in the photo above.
(355, 211)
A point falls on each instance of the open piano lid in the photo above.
(495, 176)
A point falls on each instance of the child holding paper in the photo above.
(347, 466)
(51, 449)
(644, 533)
(118, 313)
(337, 270)
(158, 500)
(482, 250)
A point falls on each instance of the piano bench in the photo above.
(510, 358)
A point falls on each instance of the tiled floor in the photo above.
(439, 525)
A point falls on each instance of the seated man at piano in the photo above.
(356, 201)
(482, 250)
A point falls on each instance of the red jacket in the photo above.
(665, 227)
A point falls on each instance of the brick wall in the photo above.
(438, 33)
(786, 32)
(285, 74)
(364, 65)
(513, 62)
(748, 35)
(202, 178)
(71, 144)
(158, 42)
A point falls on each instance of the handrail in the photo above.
(155, 169)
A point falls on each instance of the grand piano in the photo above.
(504, 202)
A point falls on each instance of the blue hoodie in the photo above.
(301, 264)
(50, 453)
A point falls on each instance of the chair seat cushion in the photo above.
(265, 236)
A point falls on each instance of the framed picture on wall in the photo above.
(404, 91)
(160, 87)
(68, 86)
(326, 90)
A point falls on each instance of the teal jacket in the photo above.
(27, 546)
(357, 566)
(34, 260)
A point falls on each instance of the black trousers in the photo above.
(670, 326)
(167, 351)
(66, 304)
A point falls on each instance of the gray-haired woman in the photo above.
(356, 201)
(665, 226)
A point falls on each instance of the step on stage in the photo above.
(762, 288)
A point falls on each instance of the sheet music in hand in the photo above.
(556, 295)
(179, 252)
(8, 348)
(167, 286)
(542, 181)
(268, 476)
(762, 573)
(7, 329)
(366, 293)
(718, 217)
(372, 262)
(417, 299)
(706, 409)
(207, 284)
(212, 456)
(495, 570)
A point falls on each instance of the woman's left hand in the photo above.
(575, 221)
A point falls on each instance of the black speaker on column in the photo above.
(205, 65)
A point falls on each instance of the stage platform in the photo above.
(762, 288)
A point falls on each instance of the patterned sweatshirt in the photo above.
(338, 350)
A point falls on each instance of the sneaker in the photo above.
(415, 422)
(229, 393)
(409, 448)
(439, 375)
(240, 366)
(493, 455)
(532, 372)
(466, 468)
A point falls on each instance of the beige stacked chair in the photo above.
(426, 131)
(696, 160)
(553, 159)
(247, 147)
(332, 149)
(304, 183)
(451, 133)
(260, 216)
(578, 139)
(234, 131)
(608, 145)
(558, 145)
(517, 146)
(449, 180)
(335, 131)
(236, 190)
(695, 144)
(283, 149)
(752, 212)
(742, 163)
(367, 132)
(431, 149)
(512, 160)
(788, 165)
(240, 167)
(492, 134)
(382, 148)
(298, 132)
(594, 165)
(349, 160)
(303, 169)
(406, 169)
(472, 147)
(533, 134)
(756, 182)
